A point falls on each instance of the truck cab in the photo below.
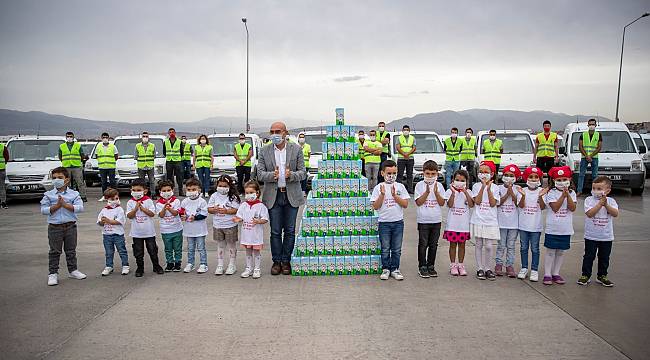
(428, 146)
(31, 158)
(127, 166)
(223, 148)
(619, 157)
(518, 147)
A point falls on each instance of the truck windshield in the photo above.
(225, 145)
(34, 150)
(513, 143)
(613, 142)
(424, 143)
(126, 147)
(316, 143)
(87, 148)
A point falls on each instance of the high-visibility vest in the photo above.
(187, 151)
(546, 148)
(362, 153)
(3, 165)
(145, 157)
(405, 144)
(203, 156)
(381, 136)
(70, 157)
(242, 153)
(468, 152)
(370, 158)
(590, 145)
(492, 151)
(106, 156)
(173, 152)
(306, 151)
(453, 149)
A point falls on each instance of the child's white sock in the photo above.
(549, 260)
(232, 250)
(559, 259)
(478, 253)
(249, 258)
(258, 258)
(220, 249)
(488, 254)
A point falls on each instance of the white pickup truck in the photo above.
(31, 158)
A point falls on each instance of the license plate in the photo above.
(615, 177)
(25, 188)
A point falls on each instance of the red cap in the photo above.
(532, 170)
(513, 169)
(560, 171)
(490, 164)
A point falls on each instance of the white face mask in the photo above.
(223, 190)
(459, 184)
(58, 183)
(361, 137)
(166, 194)
(242, 142)
(493, 137)
(192, 194)
(597, 193)
(113, 203)
(137, 194)
(406, 133)
(533, 184)
(468, 135)
(563, 184)
(592, 127)
(484, 176)
(390, 178)
(454, 135)
(381, 128)
(508, 179)
(203, 141)
(301, 140)
(105, 141)
(145, 140)
(429, 180)
(69, 139)
(250, 196)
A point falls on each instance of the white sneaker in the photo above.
(385, 274)
(188, 268)
(232, 268)
(125, 270)
(52, 279)
(107, 271)
(534, 276)
(101, 199)
(219, 270)
(77, 275)
(247, 272)
(257, 273)
(202, 269)
(397, 275)
(522, 273)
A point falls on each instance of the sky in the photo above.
(143, 61)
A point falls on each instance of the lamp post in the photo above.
(620, 67)
(248, 126)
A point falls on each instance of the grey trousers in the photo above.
(152, 180)
(3, 190)
(372, 173)
(62, 238)
(77, 175)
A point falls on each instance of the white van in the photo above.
(31, 158)
(643, 149)
(127, 166)
(91, 168)
(223, 148)
(646, 156)
(427, 147)
(618, 159)
(518, 147)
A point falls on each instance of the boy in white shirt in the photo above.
(194, 212)
(429, 197)
(111, 218)
(390, 198)
(140, 210)
(599, 230)
(171, 228)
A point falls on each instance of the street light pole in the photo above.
(620, 67)
(248, 126)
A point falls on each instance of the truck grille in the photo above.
(25, 178)
(127, 173)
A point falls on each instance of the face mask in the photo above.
(276, 139)
(361, 137)
(192, 194)
(561, 185)
(592, 127)
(145, 140)
(58, 183)
(242, 142)
(223, 190)
(493, 137)
(459, 184)
(547, 128)
(113, 203)
(597, 193)
(533, 184)
(137, 194)
(429, 180)
(381, 128)
(69, 139)
(203, 141)
(468, 135)
(454, 135)
(508, 179)
(373, 136)
(406, 133)
(172, 136)
(390, 178)
(183, 141)
(484, 176)
(301, 140)
(105, 141)
(250, 196)
(166, 194)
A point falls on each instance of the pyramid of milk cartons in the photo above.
(338, 229)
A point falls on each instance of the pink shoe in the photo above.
(510, 271)
(453, 269)
(547, 280)
(558, 279)
(498, 270)
(461, 269)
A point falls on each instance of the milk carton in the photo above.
(322, 266)
(305, 226)
(355, 167)
(309, 207)
(322, 188)
(333, 209)
(310, 246)
(304, 266)
(354, 188)
(345, 191)
(300, 246)
(375, 264)
(320, 245)
(340, 265)
(345, 133)
(347, 169)
(365, 265)
(345, 245)
(373, 245)
(354, 245)
(336, 133)
(338, 187)
(330, 133)
(328, 245)
(349, 265)
(331, 151)
(350, 222)
(369, 209)
(295, 265)
(374, 225)
(313, 265)
(330, 169)
(351, 131)
(329, 188)
(356, 230)
(331, 265)
(343, 205)
(318, 207)
(323, 226)
(365, 225)
(363, 245)
(349, 150)
(340, 150)
(326, 207)
(337, 243)
(338, 169)
(339, 116)
(355, 151)
(358, 265)
(363, 187)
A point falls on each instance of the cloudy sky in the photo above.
(143, 61)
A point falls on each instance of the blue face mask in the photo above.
(58, 183)
(276, 138)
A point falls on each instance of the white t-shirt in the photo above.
(507, 210)
(600, 227)
(429, 212)
(252, 233)
(281, 163)
(142, 225)
(169, 224)
(530, 217)
(113, 214)
(195, 207)
(390, 210)
(222, 221)
(458, 216)
(484, 214)
(560, 222)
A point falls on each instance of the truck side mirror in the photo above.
(562, 150)
(642, 149)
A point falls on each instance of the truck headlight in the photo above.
(158, 170)
(88, 165)
(637, 165)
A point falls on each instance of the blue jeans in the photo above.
(450, 169)
(204, 178)
(187, 169)
(198, 243)
(529, 239)
(390, 235)
(583, 172)
(282, 217)
(507, 244)
(112, 242)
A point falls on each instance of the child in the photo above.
(531, 205)
(252, 214)
(559, 223)
(599, 230)
(61, 205)
(508, 220)
(429, 198)
(171, 227)
(390, 198)
(223, 204)
(112, 219)
(459, 201)
(140, 210)
(194, 211)
(484, 225)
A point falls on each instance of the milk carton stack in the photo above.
(338, 229)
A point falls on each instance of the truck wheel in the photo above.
(638, 191)
(89, 183)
